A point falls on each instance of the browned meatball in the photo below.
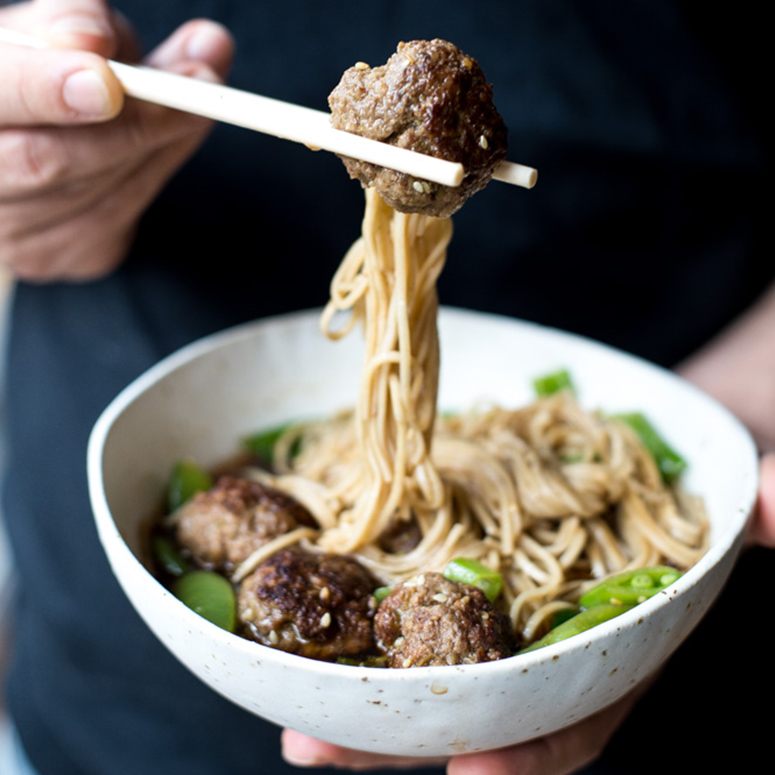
(225, 525)
(432, 98)
(316, 605)
(432, 621)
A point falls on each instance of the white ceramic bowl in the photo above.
(201, 400)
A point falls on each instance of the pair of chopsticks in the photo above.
(281, 119)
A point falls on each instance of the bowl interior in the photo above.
(202, 400)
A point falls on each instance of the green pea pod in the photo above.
(549, 384)
(168, 557)
(262, 444)
(465, 570)
(669, 462)
(582, 622)
(380, 593)
(210, 595)
(375, 661)
(187, 479)
(631, 587)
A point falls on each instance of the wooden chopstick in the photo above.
(281, 119)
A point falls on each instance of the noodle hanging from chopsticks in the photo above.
(550, 495)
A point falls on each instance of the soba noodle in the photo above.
(550, 495)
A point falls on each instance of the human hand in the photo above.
(738, 369)
(79, 163)
(561, 753)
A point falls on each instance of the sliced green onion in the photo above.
(669, 462)
(465, 570)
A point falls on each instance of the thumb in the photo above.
(56, 87)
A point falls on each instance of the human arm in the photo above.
(79, 163)
(737, 368)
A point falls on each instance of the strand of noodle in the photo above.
(556, 536)
(540, 619)
(553, 572)
(641, 553)
(601, 534)
(475, 469)
(673, 550)
(574, 549)
(526, 491)
(248, 565)
(310, 494)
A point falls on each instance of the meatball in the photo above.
(430, 620)
(225, 525)
(316, 605)
(432, 98)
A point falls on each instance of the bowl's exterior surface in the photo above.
(202, 400)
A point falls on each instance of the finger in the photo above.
(763, 525)
(87, 25)
(82, 231)
(302, 751)
(200, 41)
(56, 87)
(561, 753)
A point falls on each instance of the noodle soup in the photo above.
(205, 398)
(551, 497)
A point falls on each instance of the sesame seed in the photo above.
(325, 594)
(417, 186)
(440, 597)
(325, 620)
(274, 638)
(483, 142)
(361, 66)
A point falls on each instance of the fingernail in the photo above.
(200, 45)
(86, 93)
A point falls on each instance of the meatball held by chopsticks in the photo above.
(431, 98)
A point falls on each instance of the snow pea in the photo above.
(549, 384)
(187, 479)
(168, 556)
(631, 587)
(669, 462)
(465, 570)
(262, 444)
(579, 623)
(210, 595)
